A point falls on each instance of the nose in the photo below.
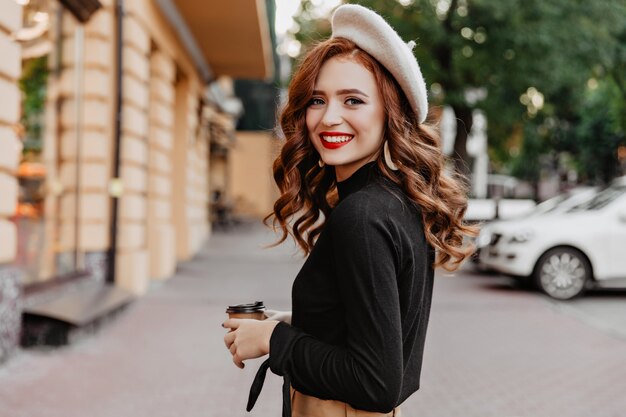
(332, 115)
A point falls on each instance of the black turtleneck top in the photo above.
(361, 301)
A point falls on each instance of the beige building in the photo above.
(253, 195)
(109, 175)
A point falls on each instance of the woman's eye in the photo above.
(316, 101)
(352, 101)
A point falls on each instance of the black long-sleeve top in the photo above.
(361, 301)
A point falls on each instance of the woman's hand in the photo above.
(248, 338)
(278, 315)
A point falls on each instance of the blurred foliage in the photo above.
(33, 85)
(508, 48)
(312, 27)
(601, 131)
(528, 164)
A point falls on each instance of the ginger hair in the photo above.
(308, 192)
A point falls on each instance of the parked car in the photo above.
(489, 209)
(555, 205)
(565, 201)
(564, 253)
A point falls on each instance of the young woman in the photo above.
(364, 194)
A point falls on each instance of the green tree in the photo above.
(312, 26)
(600, 132)
(527, 164)
(539, 51)
(33, 85)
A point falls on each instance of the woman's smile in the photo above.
(334, 140)
(346, 107)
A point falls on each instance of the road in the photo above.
(493, 349)
(604, 309)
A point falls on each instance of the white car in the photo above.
(564, 253)
(555, 205)
(565, 201)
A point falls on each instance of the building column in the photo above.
(189, 158)
(132, 266)
(254, 151)
(90, 148)
(10, 149)
(161, 232)
(198, 181)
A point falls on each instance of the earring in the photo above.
(387, 156)
(320, 163)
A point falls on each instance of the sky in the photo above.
(285, 25)
(285, 9)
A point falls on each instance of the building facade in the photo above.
(10, 149)
(107, 125)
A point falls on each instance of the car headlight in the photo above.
(522, 236)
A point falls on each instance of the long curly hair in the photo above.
(309, 192)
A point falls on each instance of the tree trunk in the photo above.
(535, 184)
(460, 157)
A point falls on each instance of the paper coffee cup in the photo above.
(254, 310)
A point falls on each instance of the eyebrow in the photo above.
(343, 92)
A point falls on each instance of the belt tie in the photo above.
(257, 387)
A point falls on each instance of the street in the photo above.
(493, 348)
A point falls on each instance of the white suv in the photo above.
(565, 253)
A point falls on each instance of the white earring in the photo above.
(320, 163)
(387, 156)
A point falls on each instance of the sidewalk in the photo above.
(490, 351)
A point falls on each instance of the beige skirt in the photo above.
(307, 406)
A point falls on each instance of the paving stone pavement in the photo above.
(491, 350)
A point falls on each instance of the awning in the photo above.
(232, 37)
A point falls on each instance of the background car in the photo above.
(555, 205)
(565, 253)
(565, 201)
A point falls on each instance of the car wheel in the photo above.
(562, 273)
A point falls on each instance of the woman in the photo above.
(362, 179)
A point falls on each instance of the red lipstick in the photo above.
(335, 145)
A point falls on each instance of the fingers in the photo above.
(236, 358)
(278, 315)
(229, 338)
(237, 361)
(232, 323)
(229, 341)
(270, 313)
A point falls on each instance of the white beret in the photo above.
(373, 34)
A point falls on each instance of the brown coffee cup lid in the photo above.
(256, 307)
